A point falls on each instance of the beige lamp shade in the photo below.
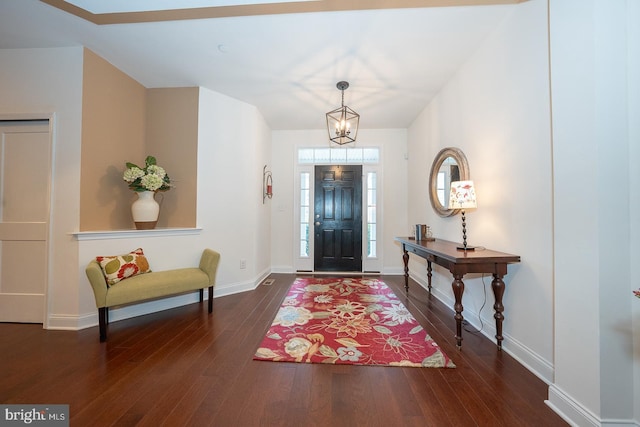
(463, 195)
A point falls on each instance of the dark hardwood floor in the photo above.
(183, 367)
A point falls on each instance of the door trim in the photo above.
(305, 264)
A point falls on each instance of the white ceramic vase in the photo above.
(145, 210)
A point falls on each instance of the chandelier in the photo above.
(342, 123)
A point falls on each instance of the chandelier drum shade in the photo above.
(342, 123)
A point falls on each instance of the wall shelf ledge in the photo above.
(128, 234)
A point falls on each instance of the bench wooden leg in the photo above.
(210, 299)
(103, 319)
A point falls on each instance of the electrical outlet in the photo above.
(243, 264)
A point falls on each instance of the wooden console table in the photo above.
(459, 263)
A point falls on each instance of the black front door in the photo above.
(338, 218)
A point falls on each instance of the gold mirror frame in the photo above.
(463, 167)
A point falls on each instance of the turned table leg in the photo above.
(405, 258)
(458, 290)
(498, 291)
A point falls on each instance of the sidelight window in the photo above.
(305, 206)
(372, 188)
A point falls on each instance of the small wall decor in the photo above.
(449, 165)
(267, 184)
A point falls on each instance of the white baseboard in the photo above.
(570, 410)
(283, 269)
(87, 320)
(577, 415)
(62, 322)
(528, 358)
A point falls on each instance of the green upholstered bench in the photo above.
(149, 286)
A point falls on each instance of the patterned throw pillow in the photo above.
(119, 267)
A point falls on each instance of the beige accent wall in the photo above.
(172, 138)
(113, 132)
(122, 121)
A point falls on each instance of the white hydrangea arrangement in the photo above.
(150, 178)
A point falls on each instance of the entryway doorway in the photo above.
(366, 253)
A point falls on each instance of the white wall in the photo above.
(594, 58)
(234, 145)
(38, 83)
(394, 192)
(496, 109)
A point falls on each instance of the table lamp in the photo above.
(463, 196)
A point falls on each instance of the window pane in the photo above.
(338, 155)
(372, 232)
(354, 155)
(304, 214)
(370, 155)
(371, 214)
(305, 155)
(371, 181)
(304, 240)
(371, 194)
(371, 241)
(322, 155)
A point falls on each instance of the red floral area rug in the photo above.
(355, 321)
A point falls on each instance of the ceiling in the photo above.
(284, 58)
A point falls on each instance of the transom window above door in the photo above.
(334, 156)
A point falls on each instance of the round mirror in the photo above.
(449, 165)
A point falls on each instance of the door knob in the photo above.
(318, 223)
